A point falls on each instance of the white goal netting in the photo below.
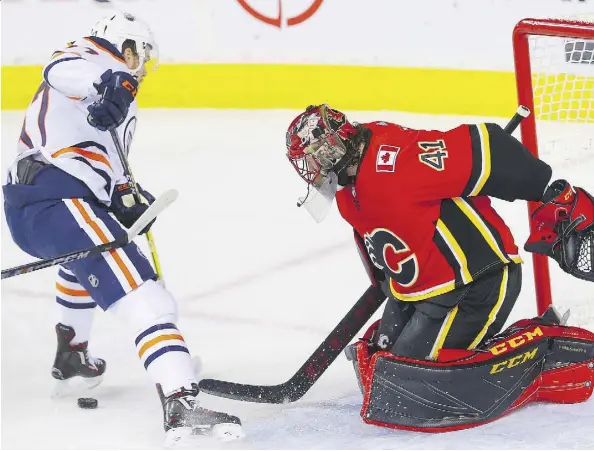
(563, 91)
(562, 72)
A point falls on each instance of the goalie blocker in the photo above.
(533, 360)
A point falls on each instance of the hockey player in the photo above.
(66, 191)
(419, 204)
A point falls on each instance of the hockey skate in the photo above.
(184, 418)
(74, 361)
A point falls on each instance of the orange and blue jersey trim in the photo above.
(158, 340)
(103, 238)
(85, 153)
(67, 277)
(75, 305)
(59, 53)
(71, 294)
(44, 91)
(85, 156)
(106, 46)
(25, 138)
(49, 66)
(70, 291)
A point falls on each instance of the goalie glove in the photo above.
(565, 229)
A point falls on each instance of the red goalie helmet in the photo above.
(318, 142)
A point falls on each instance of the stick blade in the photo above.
(156, 208)
(266, 394)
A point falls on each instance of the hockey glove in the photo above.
(565, 229)
(125, 208)
(117, 90)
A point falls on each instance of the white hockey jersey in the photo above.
(55, 129)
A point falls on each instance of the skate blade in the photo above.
(178, 437)
(228, 432)
(92, 382)
(74, 386)
(189, 438)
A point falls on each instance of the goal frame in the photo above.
(563, 28)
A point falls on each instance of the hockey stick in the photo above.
(327, 352)
(132, 182)
(314, 366)
(160, 204)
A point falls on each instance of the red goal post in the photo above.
(555, 80)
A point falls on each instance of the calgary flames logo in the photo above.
(282, 21)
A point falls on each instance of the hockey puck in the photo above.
(87, 403)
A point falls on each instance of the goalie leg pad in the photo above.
(360, 353)
(536, 363)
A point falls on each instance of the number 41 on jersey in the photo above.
(434, 154)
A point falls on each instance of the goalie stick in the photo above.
(160, 204)
(521, 113)
(327, 352)
(312, 369)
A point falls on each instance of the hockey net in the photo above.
(554, 61)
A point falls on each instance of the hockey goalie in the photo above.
(419, 204)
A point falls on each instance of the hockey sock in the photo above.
(150, 312)
(75, 306)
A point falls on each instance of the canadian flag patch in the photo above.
(386, 158)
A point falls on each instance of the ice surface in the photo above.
(259, 285)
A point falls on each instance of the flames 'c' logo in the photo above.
(281, 20)
(377, 243)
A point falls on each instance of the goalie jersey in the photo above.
(420, 204)
(55, 130)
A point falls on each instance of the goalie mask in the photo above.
(320, 149)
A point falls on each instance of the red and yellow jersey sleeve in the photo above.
(467, 161)
(480, 160)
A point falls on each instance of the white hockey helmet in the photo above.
(119, 27)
